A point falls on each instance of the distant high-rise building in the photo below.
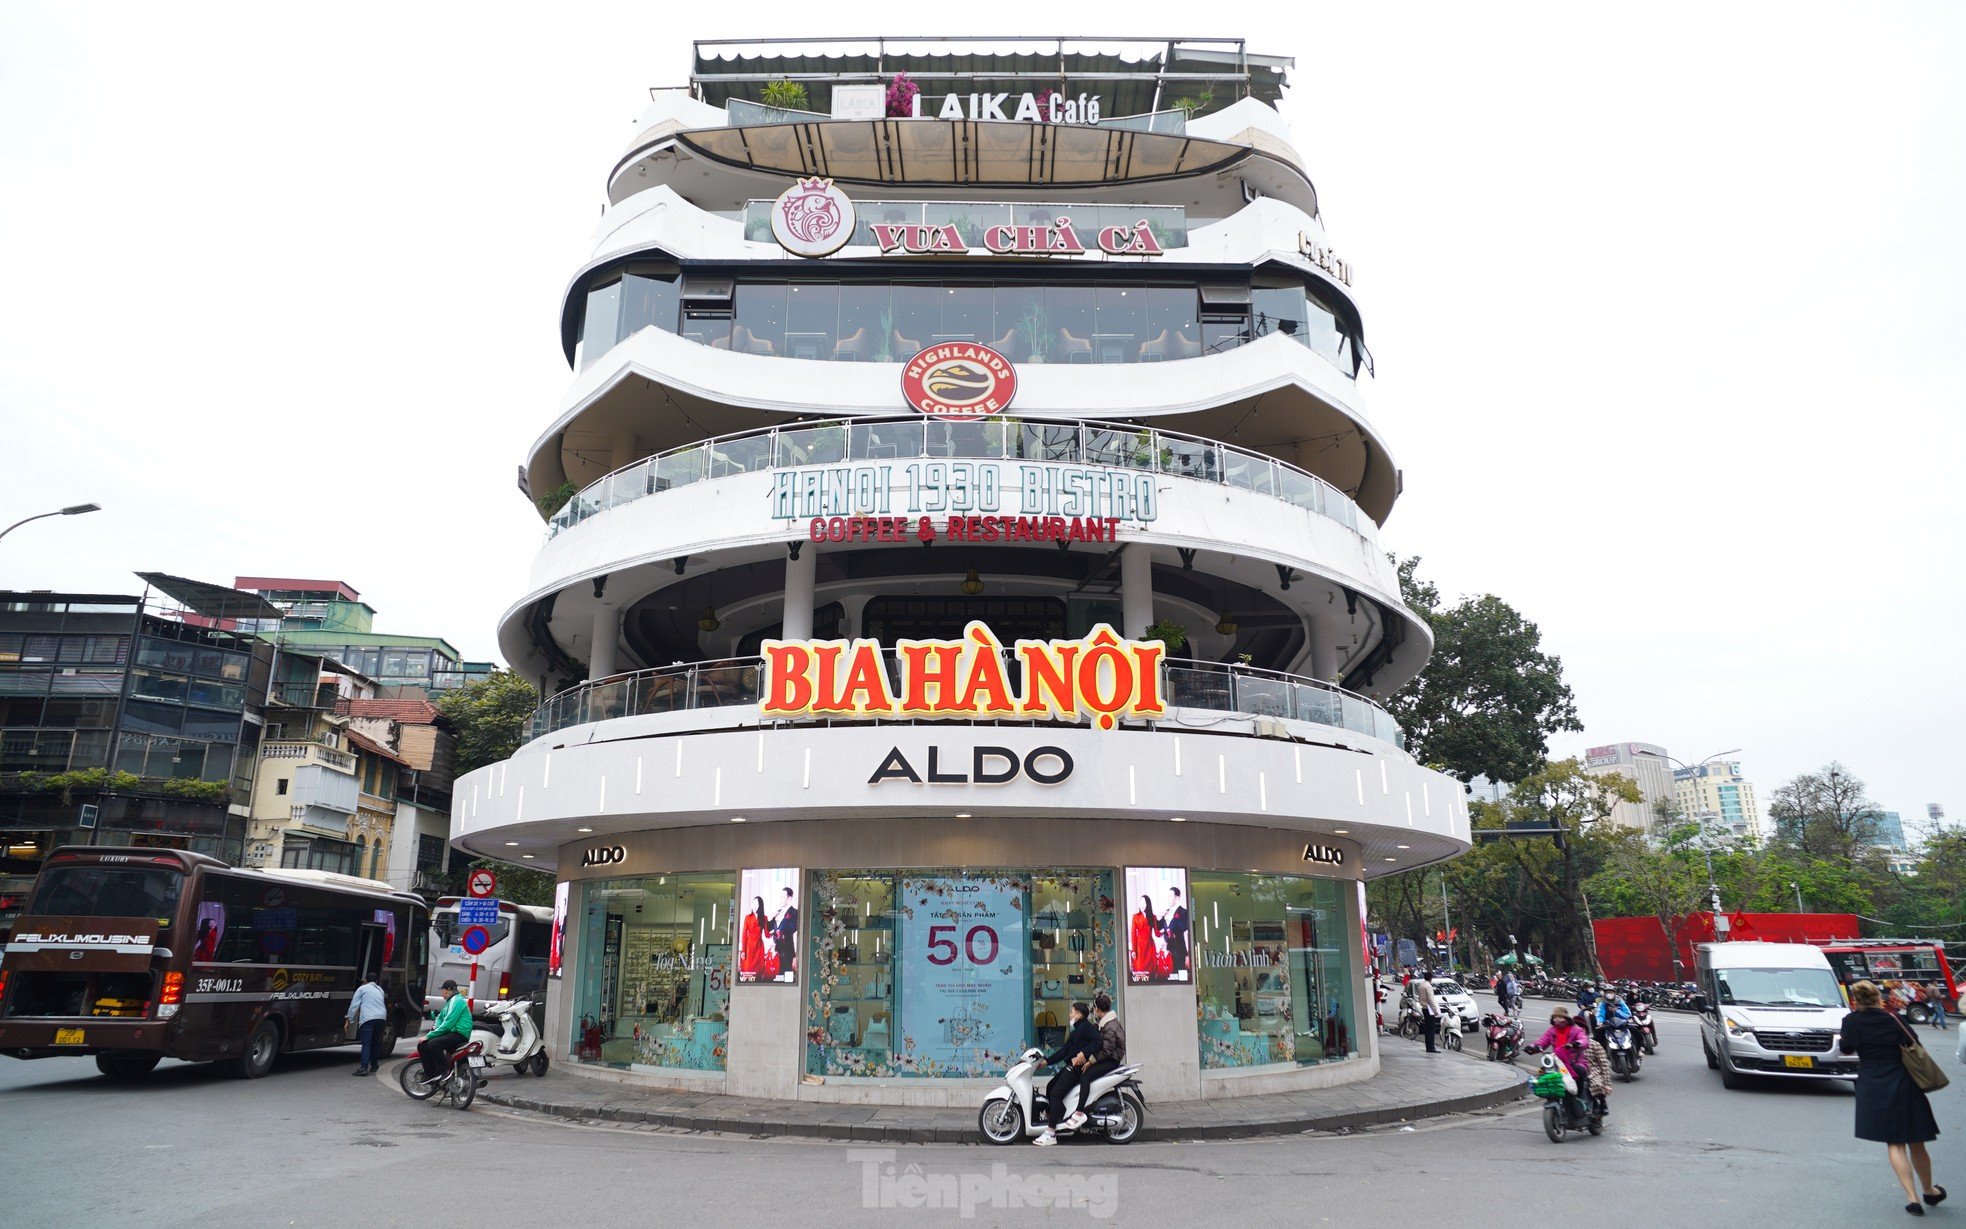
(1481, 789)
(1890, 833)
(1717, 790)
(1643, 763)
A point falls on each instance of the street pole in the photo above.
(1446, 921)
(1706, 847)
(71, 510)
(1798, 896)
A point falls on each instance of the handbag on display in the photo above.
(839, 1025)
(1047, 940)
(1076, 941)
(1053, 989)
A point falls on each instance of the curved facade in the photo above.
(961, 593)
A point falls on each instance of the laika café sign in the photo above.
(1098, 677)
(1049, 107)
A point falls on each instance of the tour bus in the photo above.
(1915, 970)
(136, 955)
(1769, 1009)
(512, 964)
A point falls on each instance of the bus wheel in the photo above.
(385, 1045)
(261, 1049)
(127, 1066)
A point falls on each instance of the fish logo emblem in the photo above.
(812, 218)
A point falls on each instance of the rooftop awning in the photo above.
(976, 153)
(212, 601)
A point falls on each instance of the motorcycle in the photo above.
(1450, 1027)
(1648, 1032)
(1553, 1084)
(1625, 1056)
(459, 1083)
(1115, 1105)
(517, 1043)
(1504, 1037)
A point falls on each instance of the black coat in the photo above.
(1890, 1108)
(1083, 1039)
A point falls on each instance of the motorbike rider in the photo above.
(1586, 1000)
(1571, 1045)
(1511, 994)
(453, 1029)
(1611, 1013)
(1081, 1046)
(1112, 1053)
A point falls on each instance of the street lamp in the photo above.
(1798, 896)
(1706, 846)
(71, 510)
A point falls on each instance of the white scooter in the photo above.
(517, 1044)
(1016, 1109)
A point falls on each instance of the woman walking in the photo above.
(1891, 1109)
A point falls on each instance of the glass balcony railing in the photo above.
(1209, 686)
(1092, 443)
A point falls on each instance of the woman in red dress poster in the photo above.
(1144, 960)
(751, 961)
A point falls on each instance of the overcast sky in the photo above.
(1667, 303)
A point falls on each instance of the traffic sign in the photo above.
(476, 939)
(477, 912)
(481, 883)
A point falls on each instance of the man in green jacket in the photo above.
(453, 1029)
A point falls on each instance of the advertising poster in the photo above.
(1159, 946)
(965, 986)
(211, 931)
(559, 929)
(768, 933)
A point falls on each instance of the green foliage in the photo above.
(489, 716)
(789, 95)
(556, 499)
(1191, 105)
(1168, 632)
(102, 780)
(1490, 697)
(1826, 814)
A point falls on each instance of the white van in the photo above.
(1770, 1009)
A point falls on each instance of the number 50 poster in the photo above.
(965, 983)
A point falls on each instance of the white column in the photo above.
(607, 635)
(795, 623)
(1324, 648)
(1136, 590)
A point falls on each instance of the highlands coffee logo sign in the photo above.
(812, 218)
(1099, 676)
(959, 380)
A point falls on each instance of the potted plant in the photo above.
(901, 95)
(882, 350)
(1168, 632)
(1035, 323)
(785, 95)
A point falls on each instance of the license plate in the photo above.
(1797, 1060)
(477, 1060)
(70, 1037)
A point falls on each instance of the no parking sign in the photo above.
(475, 939)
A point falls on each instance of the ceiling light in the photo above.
(737, 819)
(526, 856)
(962, 814)
(590, 829)
(709, 622)
(1177, 819)
(511, 844)
(1402, 847)
(1339, 831)
(1392, 859)
(972, 583)
(1225, 626)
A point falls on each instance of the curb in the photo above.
(701, 1119)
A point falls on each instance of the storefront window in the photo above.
(936, 973)
(654, 972)
(1274, 969)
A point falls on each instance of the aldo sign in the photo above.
(604, 855)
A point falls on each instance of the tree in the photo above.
(1490, 697)
(490, 717)
(1666, 881)
(1825, 814)
(1563, 796)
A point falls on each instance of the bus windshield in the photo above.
(444, 922)
(94, 890)
(1778, 987)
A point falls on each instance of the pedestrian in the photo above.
(368, 1013)
(1891, 1109)
(1423, 994)
(1939, 1006)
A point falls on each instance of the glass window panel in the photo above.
(146, 718)
(1121, 324)
(158, 686)
(1276, 963)
(1072, 320)
(811, 446)
(966, 315)
(600, 325)
(863, 328)
(1173, 329)
(760, 326)
(1018, 319)
(1280, 309)
(708, 327)
(812, 317)
(211, 726)
(649, 301)
(651, 985)
(916, 318)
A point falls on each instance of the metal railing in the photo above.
(1187, 684)
(300, 750)
(868, 439)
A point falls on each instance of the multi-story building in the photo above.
(1644, 764)
(963, 587)
(329, 617)
(119, 723)
(1716, 793)
(1890, 833)
(414, 733)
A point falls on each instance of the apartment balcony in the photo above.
(309, 753)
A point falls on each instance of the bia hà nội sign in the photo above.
(1099, 677)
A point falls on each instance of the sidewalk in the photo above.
(1411, 1084)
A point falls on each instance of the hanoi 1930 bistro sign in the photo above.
(1100, 677)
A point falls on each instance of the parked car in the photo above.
(1455, 995)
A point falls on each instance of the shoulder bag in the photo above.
(1920, 1065)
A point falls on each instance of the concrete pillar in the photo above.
(1136, 590)
(1324, 648)
(796, 621)
(607, 636)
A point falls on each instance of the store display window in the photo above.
(1275, 966)
(945, 973)
(652, 986)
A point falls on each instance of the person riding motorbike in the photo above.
(453, 1029)
(1610, 1013)
(1571, 1045)
(1112, 1053)
(1081, 1046)
(1586, 1000)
